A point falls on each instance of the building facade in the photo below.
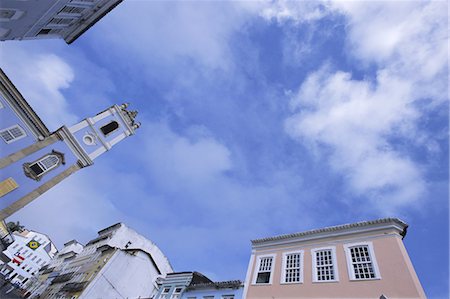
(119, 263)
(33, 160)
(194, 285)
(23, 259)
(37, 284)
(360, 260)
(66, 19)
(174, 284)
(215, 290)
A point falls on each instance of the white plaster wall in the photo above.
(124, 276)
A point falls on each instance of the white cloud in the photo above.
(408, 38)
(296, 11)
(40, 78)
(194, 32)
(188, 159)
(354, 118)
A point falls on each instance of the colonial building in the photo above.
(33, 160)
(29, 252)
(6, 237)
(67, 19)
(119, 263)
(174, 284)
(194, 285)
(38, 283)
(360, 260)
(215, 290)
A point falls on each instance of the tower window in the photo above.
(43, 165)
(109, 128)
(12, 134)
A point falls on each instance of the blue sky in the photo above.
(258, 119)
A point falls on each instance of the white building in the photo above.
(66, 19)
(40, 282)
(119, 263)
(29, 252)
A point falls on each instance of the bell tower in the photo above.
(98, 134)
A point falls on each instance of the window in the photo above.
(164, 293)
(208, 297)
(109, 128)
(324, 264)
(361, 261)
(60, 21)
(292, 267)
(48, 162)
(227, 296)
(12, 134)
(7, 14)
(176, 293)
(72, 10)
(263, 273)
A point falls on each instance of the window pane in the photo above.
(36, 169)
(263, 277)
(109, 128)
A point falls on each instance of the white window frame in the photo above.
(284, 267)
(164, 294)
(175, 294)
(351, 269)
(314, 263)
(257, 265)
(24, 134)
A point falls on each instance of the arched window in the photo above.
(38, 168)
(109, 128)
(45, 164)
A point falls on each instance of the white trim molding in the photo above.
(366, 260)
(268, 267)
(328, 255)
(299, 261)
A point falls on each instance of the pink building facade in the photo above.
(359, 260)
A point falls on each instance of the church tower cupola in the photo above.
(100, 133)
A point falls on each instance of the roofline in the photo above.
(231, 284)
(343, 229)
(25, 110)
(72, 39)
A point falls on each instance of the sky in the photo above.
(258, 119)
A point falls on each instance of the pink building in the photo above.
(360, 260)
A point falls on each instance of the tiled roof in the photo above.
(336, 228)
(231, 284)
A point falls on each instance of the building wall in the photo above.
(125, 275)
(9, 118)
(26, 185)
(171, 282)
(28, 260)
(397, 276)
(50, 18)
(213, 293)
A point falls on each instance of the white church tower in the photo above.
(98, 134)
(33, 159)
